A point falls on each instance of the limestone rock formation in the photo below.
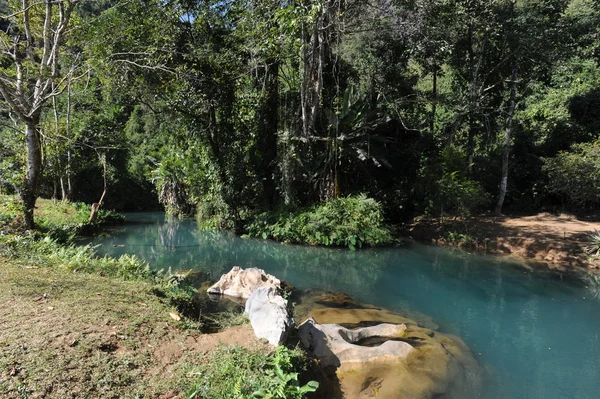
(437, 365)
(268, 315)
(241, 283)
(334, 345)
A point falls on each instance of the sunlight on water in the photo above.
(535, 333)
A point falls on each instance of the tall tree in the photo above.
(31, 75)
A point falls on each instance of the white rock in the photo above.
(335, 345)
(268, 315)
(242, 283)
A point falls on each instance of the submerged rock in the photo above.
(429, 364)
(335, 345)
(241, 283)
(268, 315)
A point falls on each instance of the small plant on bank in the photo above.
(344, 222)
(592, 248)
(460, 239)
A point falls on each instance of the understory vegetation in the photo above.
(347, 222)
(236, 373)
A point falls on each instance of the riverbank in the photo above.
(72, 335)
(557, 241)
(73, 324)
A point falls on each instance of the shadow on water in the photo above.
(536, 333)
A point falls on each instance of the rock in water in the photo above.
(268, 315)
(242, 283)
(335, 345)
(438, 365)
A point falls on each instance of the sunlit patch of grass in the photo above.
(69, 335)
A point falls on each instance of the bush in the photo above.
(350, 222)
(447, 189)
(459, 195)
(236, 373)
(575, 176)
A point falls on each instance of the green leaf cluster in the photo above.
(238, 373)
(351, 222)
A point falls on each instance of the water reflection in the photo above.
(535, 333)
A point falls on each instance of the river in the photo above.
(535, 333)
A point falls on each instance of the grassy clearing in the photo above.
(72, 335)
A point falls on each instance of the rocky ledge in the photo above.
(364, 351)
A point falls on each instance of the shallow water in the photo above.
(536, 334)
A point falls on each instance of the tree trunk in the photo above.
(268, 124)
(33, 173)
(508, 130)
(434, 96)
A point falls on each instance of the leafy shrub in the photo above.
(592, 248)
(575, 176)
(351, 222)
(447, 189)
(236, 373)
(459, 195)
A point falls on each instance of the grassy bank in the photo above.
(74, 325)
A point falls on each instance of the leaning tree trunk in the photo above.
(507, 136)
(33, 173)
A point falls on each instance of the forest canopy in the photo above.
(230, 109)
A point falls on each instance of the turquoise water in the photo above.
(536, 334)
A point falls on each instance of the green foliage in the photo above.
(62, 221)
(237, 373)
(349, 222)
(460, 195)
(460, 239)
(592, 247)
(225, 320)
(574, 176)
(449, 190)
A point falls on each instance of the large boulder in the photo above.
(437, 365)
(335, 345)
(241, 283)
(268, 314)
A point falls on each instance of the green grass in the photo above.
(76, 335)
(61, 220)
(236, 373)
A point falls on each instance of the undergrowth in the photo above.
(351, 222)
(62, 221)
(238, 373)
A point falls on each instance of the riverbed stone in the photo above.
(437, 365)
(335, 345)
(268, 314)
(241, 283)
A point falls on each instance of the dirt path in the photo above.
(66, 335)
(556, 240)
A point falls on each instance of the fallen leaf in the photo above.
(174, 316)
(141, 303)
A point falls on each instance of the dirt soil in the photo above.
(556, 240)
(69, 335)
